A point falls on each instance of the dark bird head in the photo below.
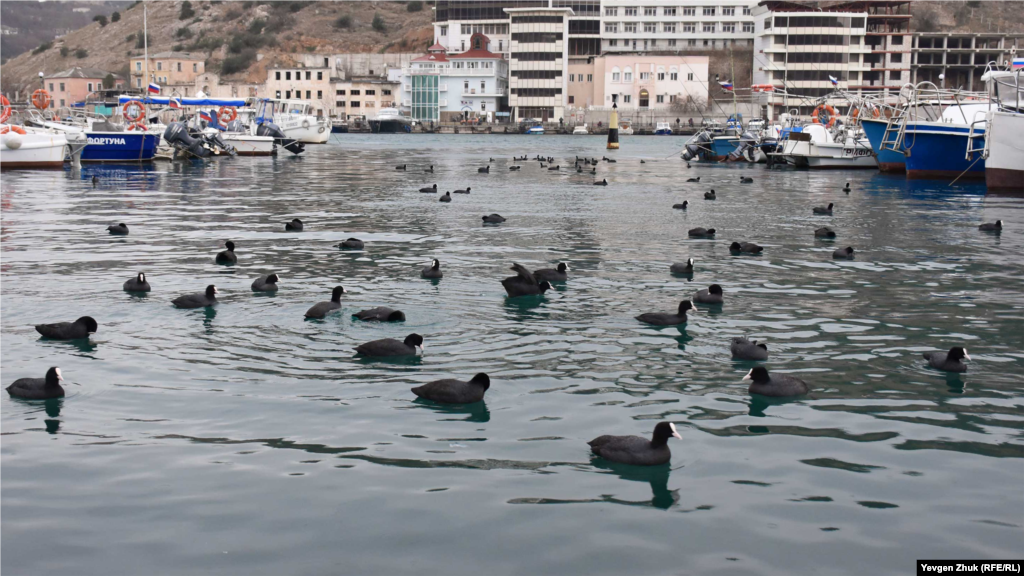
(436, 265)
(849, 250)
(415, 341)
(684, 306)
(296, 221)
(686, 203)
(828, 232)
(141, 277)
(957, 353)
(830, 206)
(53, 376)
(230, 245)
(89, 323)
(481, 379)
(689, 263)
(712, 231)
(336, 294)
(562, 267)
(273, 279)
(435, 185)
(123, 225)
(663, 431)
(735, 247)
(762, 345)
(211, 291)
(999, 224)
(544, 286)
(396, 316)
(758, 374)
(715, 289)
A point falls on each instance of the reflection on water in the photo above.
(209, 430)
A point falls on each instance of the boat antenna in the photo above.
(145, 50)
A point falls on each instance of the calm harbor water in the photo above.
(246, 440)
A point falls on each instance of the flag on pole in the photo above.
(1018, 63)
(154, 88)
(726, 86)
(835, 81)
(205, 115)
(174, 103)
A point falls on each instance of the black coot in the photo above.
(266, 283)
(351, 244)
(320, 309)
(710, 295)
(556, 274)
(779, 385)
(697, 179)
(201, 300)
(682, 206)
(227, 256)
(682, 267)
(446, 198)
(294, 226)
(493, 219)
(38, 388)
(996, 226)
(76, 330)
(636, 450)
(824, 232)
(524, 283)
(843, 253)
(701, 232)
(743, 349)
(429, 189)
(432, 272)
(745, 248)
(710, 195)
(603, 182)
(823, 209)
(452, 391)
(664, 319)
(951, 361)
(381, 314)
(137, 284)
(392, 347)
(466, 191)
(118, 229)
(485, 170)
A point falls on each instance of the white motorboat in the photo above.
(295, 118)
(625, 128)
(1003, 151)
(580, 129)
(390, 121)
(815, 146)
(29, 148)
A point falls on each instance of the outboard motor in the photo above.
(216, 140)
(271, 129)
(747, 141)
(694, 146)
(177, 136)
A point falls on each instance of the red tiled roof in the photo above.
(432, 57)
(436, 47)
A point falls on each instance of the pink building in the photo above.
(74, 85)
(649, 81)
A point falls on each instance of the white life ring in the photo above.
(320, 130)
(305, 124)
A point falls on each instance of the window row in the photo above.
(537, 19)
(468, 29)
(814, 40)
(536, 56)
(298, 75)
(537, 36)
(160, 66)
(579, 77)
(366, 92)
(536, 92)
(673, 27)
(536, 74)
(674, 11)
(818, 21)
(648, 44)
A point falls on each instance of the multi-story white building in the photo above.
(445, 87)
(671, 25)
(538, 59)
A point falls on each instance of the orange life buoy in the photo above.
(137, 126)
(762, 88)
(5, 108)
(17, 129)
(226, 114)
(138, 106)
(831, 115)
(41, 99)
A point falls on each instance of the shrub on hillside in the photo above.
(378, 24)
(257, 26)
(296, 7)
(183, 32)
(140, 40)
(232, 14)
(81, 53)
(245, 41)
(115, 17)
(186, 11)
(42, 48)
(414, 6)
(64, 51)
(206, 43)
(101, 19)
(239, 62)
(343, 21)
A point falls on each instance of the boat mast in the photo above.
(732, 74)
(145, 50)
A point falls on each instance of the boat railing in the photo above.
(976, 134)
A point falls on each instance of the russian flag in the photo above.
(726, 86)
(835, 81)
(1018, 63)
(205, 115)
(174, 103)
(154, 88)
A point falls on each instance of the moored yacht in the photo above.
(390, 121)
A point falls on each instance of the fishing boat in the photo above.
(1004, 127)
(295, 119)
(625, 128)
(580, 129)
(534, 126)
(225, 122)
(390, 121)
(816, 146)
(663, 129)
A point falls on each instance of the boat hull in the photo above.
(36, 151)
(305, 129)
(936, 150)
(722, 146)
(662, 132)
(889, 161)
(120, 147)
(1004, 167)
(389, 127)
(246, 145)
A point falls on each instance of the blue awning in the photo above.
(165, 101)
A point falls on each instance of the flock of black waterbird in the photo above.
(623, 449)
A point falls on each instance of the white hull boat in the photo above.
(32, 149)
(814, 147)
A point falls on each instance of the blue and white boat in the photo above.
(535, 126)
(889, 161)
(106, 141)
(663, 129)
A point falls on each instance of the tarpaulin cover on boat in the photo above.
(165, 101)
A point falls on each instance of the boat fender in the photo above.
(320, 130)
(305, 124)
(12, 141)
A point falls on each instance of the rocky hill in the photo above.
(239, 39)
(968, 16)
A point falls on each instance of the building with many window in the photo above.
(538, 60)
(957, 60)
(312, 84)
(446, 87)
(649, 81)
(675, 25)
(76, 84)
(172, 71)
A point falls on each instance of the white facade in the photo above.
(442, 87)
(666, 25)
(538, 61)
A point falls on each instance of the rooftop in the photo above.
(176, 55)
(79, 72)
